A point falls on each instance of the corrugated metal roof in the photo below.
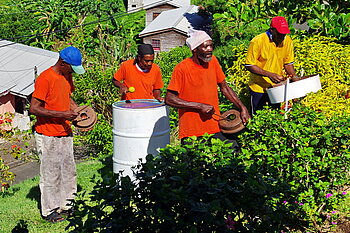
(178, 3)
(171, 19)
(17, 63)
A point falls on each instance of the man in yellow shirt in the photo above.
(268, 54)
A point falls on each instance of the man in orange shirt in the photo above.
(193, 90)
(54, 109)
(140, 78)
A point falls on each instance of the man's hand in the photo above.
(258, 71)
(206, 108)
(245, 115)
(172, 99)
(69, 115)
(160, 99)
(157, 95)
(276, 78)
(123, 89)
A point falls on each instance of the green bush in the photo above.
(307, 151)
(241, 20)
(98, 141)
(168, 60)
(291, 173)
(196, 188)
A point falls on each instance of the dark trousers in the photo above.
(259, 100)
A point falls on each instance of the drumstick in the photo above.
(225, 118)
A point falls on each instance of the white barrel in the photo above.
(296, 89)
(140, 127)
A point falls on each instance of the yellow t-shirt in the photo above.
(264, 53)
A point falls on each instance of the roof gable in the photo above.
(17, 63)
(177, 3)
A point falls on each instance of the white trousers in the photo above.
(58, 185)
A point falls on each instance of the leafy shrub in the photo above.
(321, 55)
(6, 177)
(6, 132)
(15, 21)
(237, 19)
(307, 151)
(95, 88)
(195, 188)
(98, 142)
(226, 55)
(18, 150)
(168, 60)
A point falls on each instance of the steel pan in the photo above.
(298, 87)
(231, 122)
(86, 119)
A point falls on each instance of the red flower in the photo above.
(5, 185)
(13, 146)
(230, 224)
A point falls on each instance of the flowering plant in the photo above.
(308, 151)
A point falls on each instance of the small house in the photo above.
(155, 7)
(19, 66)
(169, 29)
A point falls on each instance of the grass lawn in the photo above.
(20, 205)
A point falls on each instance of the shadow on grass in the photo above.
(21, 227)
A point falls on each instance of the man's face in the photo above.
(145, 62)
(67, 68)
(205, 51)
(277, 37)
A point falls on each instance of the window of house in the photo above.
(155, 15)
(156, 44)
(133, 6)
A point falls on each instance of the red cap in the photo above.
(281, 25)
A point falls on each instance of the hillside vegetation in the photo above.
(294, 177)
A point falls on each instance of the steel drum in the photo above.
(86, 119)
(231, 122)
(296, 88)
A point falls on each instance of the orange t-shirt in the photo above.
(143, 82)
(194, 83)
(55, 90)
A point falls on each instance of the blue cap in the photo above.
(72, 56)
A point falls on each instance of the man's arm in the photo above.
(122, 88)
(73, 105)
(290, 69)
(157, 95)
(37, 109)
(258, 71)
(172, 99)
(232, 96)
